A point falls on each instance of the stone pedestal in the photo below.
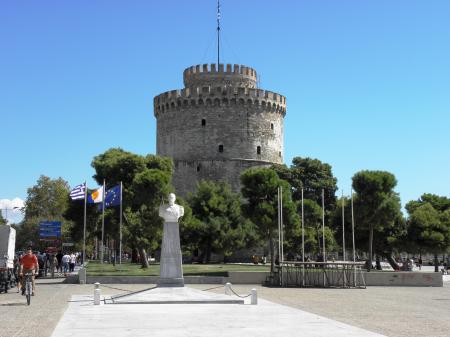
(171, 271)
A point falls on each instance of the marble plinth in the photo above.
(171, 270)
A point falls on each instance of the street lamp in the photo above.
(6, 212)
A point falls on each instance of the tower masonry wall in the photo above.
(214, 130)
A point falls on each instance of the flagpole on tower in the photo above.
(218, 34)
(102, 248)
(120, 226)
(84, 225)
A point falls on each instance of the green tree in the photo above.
(314, 231)
(312, 175)
(47, 200)
(439, 203)
(259, 188)
(429, 225)
(146, 181)
(220, 227)
(386, 239)
(377, 207)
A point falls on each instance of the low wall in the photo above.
(154, 279)
(403, 279)
(374, 278)
(247, 277)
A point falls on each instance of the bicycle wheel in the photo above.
(28, 291)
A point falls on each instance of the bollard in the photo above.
(82, 275)
(97, 293)
(228, 288)
(254, 297)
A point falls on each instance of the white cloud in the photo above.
(12, 209)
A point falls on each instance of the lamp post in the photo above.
(6, 212)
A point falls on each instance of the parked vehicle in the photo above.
(7, 246)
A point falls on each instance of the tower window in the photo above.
(258, 150)
(198, 168)
(271, 126)
(279, 154)
(220, 148)
(203, 122)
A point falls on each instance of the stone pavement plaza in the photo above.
(389, 311)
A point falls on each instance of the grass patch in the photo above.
(95, 268)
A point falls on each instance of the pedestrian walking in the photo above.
(72, 261)
(59, 266)
(65, 263)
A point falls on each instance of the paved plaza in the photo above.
(389, 311)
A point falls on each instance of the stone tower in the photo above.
(218, 125)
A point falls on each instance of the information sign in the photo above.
(50, 229)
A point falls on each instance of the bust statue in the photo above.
(171, 212)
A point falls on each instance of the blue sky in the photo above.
(367, 82)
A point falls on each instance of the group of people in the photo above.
(66, 262)
(29, 263)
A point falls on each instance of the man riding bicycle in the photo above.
(29, 264)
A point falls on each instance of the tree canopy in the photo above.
(312, 175)
(429, 224)
(377, 209)
(259, 188)
(218, 226)
(47, 200)
(146, 182)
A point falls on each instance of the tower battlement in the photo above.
(218, 96)
(225, 74)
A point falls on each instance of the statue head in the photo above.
(172, 199)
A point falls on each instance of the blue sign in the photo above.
(50, 229)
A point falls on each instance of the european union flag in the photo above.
(112, 197)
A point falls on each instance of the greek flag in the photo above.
(78, 192)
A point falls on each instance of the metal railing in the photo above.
(318, 275)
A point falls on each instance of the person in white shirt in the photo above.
(65, 262)
(73, 260)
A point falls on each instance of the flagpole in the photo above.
(323, 236)
(343, 227)
(103, 222)
(281, 224)
(120, 226)
(84, 225)
(353, 239)
(303, 242)
(323, 224)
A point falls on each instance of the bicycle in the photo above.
(28, 287)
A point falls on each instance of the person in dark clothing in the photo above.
(59, 259)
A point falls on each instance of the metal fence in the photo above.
(318, 275)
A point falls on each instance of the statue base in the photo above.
(170, 282)
(171, 270)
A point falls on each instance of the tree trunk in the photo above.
(392, 262)
(378, 262)
(144, 260)
(134, 255)
(369, 260)
(436, 263)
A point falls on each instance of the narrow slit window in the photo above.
(258, 150)
(221, 148)
(198, 168)
(271, 126)
(203, 122)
